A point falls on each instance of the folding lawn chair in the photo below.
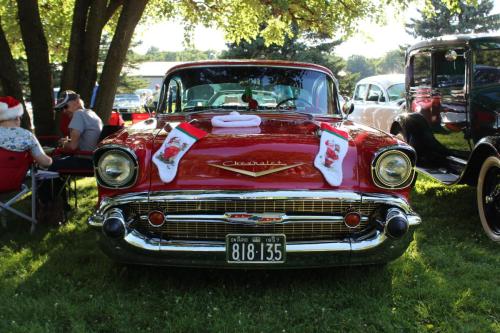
(71, 175)
(14, 167)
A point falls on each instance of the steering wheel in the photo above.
(294, 99)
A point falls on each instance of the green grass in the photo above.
(448, 281)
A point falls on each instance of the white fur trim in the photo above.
(7, 113)
(234, 119)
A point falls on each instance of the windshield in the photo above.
(127, 99)
(396, 91)
(487, 67)
(238, 87)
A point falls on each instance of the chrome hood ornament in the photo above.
(271, 167)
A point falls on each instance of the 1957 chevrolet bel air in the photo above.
(251, 164)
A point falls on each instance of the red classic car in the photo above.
(252, 164)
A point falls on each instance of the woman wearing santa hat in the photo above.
(15, 138)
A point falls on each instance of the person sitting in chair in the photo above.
(84, 130)
(15, 138)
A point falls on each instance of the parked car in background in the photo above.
(145, 95)
(128, 104)
(288, 182)
(453, 118)
(378, 100)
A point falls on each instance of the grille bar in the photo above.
(254, 206)
(219, 230)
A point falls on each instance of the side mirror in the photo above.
(351, 108)
(348, 107)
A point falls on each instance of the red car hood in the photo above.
(278, 155)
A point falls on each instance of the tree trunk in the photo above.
(40, 76)
(9, 78)
(80, 69)
(130, 15)
(88, 67)
(70, 73)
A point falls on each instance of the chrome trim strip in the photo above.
(137, 240)
(297, 65)
(414, 220)
(286, 219)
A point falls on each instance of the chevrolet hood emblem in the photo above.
(256, 174)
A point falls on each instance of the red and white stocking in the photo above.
(332, 150)
(177, 143)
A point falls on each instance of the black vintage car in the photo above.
(452, 116)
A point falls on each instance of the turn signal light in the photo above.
(352, 219)
(156, 218)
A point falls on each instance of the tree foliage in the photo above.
(305, 49)
(362, 65)
(443, 20)
(71, 31)
(393, 62)
(56, 18)
(154, 54)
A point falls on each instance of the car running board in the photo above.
(441, 174)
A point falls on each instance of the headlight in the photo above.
(392, 169)
(116, 168)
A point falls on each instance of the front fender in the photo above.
(487, 146)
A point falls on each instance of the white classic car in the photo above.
(378, 100)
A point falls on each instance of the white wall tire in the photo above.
(488, 197)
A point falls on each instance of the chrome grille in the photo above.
(217, 230)
(329, 207)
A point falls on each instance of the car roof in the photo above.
(384, 81)
(127, 95)
(450, 40)
(276, 63)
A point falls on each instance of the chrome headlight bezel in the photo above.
(122, 152)
(407, 154)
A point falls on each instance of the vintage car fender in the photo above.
(487, 146)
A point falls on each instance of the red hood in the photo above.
(277, 143)
(287, 140)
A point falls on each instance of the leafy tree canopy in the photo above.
(56, 17)
(443, 20)
(241, 20)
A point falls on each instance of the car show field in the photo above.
(447, 281)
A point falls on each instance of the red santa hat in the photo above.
(10, 108)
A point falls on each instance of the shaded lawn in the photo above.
(447, 281)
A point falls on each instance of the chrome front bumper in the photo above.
(136, 248)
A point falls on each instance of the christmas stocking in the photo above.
(176, 144)
(332, 150)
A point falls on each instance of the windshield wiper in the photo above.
(310, 116)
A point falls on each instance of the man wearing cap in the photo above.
(85, 126)
(84, 130)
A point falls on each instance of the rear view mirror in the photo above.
(451, 55)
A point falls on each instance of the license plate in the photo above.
(255, 249)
